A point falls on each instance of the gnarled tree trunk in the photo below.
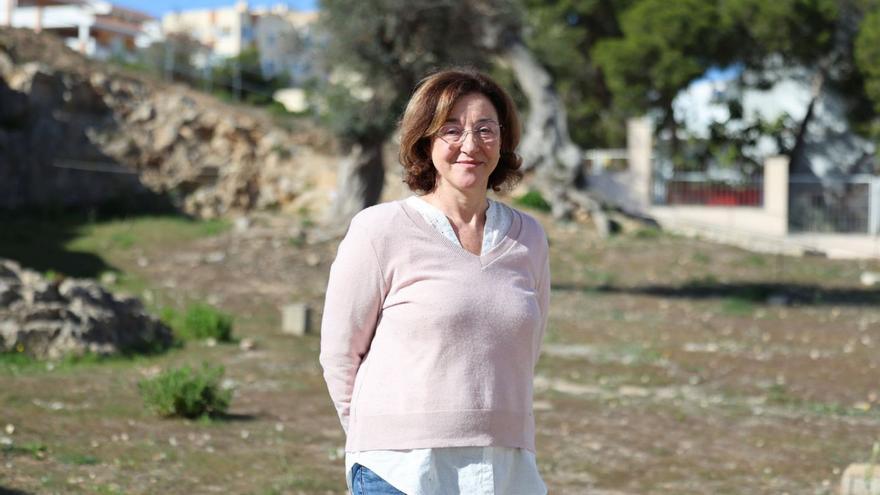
(359, 182)
(546, 146)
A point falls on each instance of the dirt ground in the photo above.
(670, 366)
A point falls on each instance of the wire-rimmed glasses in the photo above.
(487, 132)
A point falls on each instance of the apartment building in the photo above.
(96, 28)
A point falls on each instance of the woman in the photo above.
(436, 306)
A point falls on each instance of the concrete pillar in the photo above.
(874, 206)
(38, 23)
(83, 37)
(776, 192)
(861, 479)
(640, 151)
(10, 10)
(295, 319)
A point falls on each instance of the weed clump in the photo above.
(186, 392)
(200, 321)
(533, 200)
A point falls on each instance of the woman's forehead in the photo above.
(473, 105)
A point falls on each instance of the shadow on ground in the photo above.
(755, 292)
(38, 238)
(10, 491)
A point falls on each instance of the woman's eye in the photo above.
(451, 132)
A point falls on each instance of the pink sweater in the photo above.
(426, 345)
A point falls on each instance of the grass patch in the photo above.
(186, 392)
(78, 459)
(198, 322)
(36, 450)
(779, 395)
(648, 233)
(737, 306)
(76, 244)
(121, 235)
(533, 200)
(702, 258)
(18, 363)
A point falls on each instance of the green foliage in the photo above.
(665, 46)
(562, 34)
(800, 31)
(533, 200)
(186, 392)
(244, 70)
(867, 55)
(199, 321)
(36, 450)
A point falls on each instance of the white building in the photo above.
(93, 27)
(226, 31)
(282, 36)
(284, 39)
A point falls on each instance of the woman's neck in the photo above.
(460, 208)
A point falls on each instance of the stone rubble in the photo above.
(50, 319)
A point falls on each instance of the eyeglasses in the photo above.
(486, 132)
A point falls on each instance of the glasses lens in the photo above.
(486, 132)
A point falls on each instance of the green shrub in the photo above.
(186, 392)
(533, 200)
(199, 321)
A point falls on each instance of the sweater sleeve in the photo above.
(543, 291)
(354, 296)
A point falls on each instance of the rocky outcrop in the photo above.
(75, 130)
(51, 319)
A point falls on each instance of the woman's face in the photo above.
(466, 166)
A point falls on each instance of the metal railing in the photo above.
(850, 205)
(697, 188)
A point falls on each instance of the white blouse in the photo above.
(456, 470)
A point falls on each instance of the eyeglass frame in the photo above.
(471, 131)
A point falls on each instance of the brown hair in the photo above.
(427, 111)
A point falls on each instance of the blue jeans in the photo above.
(366, 482)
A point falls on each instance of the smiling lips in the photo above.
(468, 163)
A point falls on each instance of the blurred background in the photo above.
(175, 177)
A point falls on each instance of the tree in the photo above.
(665, 46)
(867, 54)
(243, 76)
(172, 58)
(562, 35)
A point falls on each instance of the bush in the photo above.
(533, 200)
(200, 321)
(186, 392)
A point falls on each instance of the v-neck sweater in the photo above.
(426, 345)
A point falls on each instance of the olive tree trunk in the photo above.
(360, 178)
(546, 146)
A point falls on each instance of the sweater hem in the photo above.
(476, 428)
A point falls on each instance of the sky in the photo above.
(158, 8)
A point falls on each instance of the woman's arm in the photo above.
(543, 293)
(355, 292)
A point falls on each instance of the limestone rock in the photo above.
(214, 159)
(71, 317)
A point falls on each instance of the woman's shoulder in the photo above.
(378, 215)
(531, 226)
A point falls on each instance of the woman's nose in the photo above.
(470, 142)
